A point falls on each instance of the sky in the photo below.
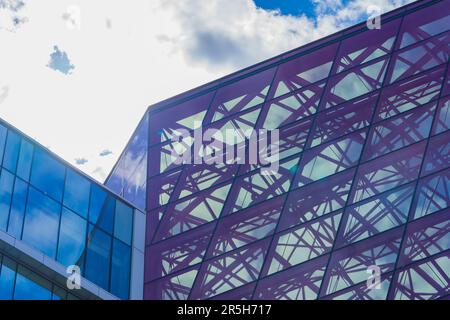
(78, 75)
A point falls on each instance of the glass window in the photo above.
(3, 132)
(76, 193)
(41, 222)
(11, 151)
(72, 238)
(124, 222)
(6, 186)
(47, 174)
(97, 258)
(17, 208)
(30, 286)
(7, 276)
(25, 158)
(59, 294)
(120, 270)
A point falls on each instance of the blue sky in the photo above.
(292, 7)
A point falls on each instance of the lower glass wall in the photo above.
(18, 282)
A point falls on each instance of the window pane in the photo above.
(17, 208)
(76, 193)
(25, 158)
(123, 223)
(41, 222)
(3, 132)
(48, 174)
(30, 286)
(7, 275)
(120, 270)
(11, 151)
(6, 185)
(72, 238)
(97, 259)
(98, 197)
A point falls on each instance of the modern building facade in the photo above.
(53, 217)
(357, 209)
(363, 184)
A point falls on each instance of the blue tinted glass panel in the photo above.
(120, 269)
(6, 186)
(30, 286)
(41, 222)
(25, 158)
(17, 208)
(97, 202)
(106, 218)
(7, 275)
(76, 193)
(3, 133)
(47, 174)
(72, 238)
(11, 151)
(97, 258)
(123, 223)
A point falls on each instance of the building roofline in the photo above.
(283, 57)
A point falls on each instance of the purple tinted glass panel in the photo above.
(302, 243)
(129, 176)
(342, 120)
(424, 24)
(426, 237)
(230, 271)
(331, 158)
(442, 121)
(409, 94)
(376, 215)
(363, 119)
(399, 132)
(298, 283)
(423, 280)
(177, 253)
(366, 46)
(420, 57)
(349, 265)
(316, 199)
(240, 96)
(432, 194)
(355, 82)
(363, 291)
(248, 226)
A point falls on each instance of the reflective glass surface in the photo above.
(63, 214)
(363, 119)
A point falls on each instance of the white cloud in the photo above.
(129, 55)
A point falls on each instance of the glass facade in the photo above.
(364, 178)
(63, 214)
(17, 282)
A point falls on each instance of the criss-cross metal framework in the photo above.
(364, 178)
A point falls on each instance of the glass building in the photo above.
(361, 195)
(363, 183)
(53, 217)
